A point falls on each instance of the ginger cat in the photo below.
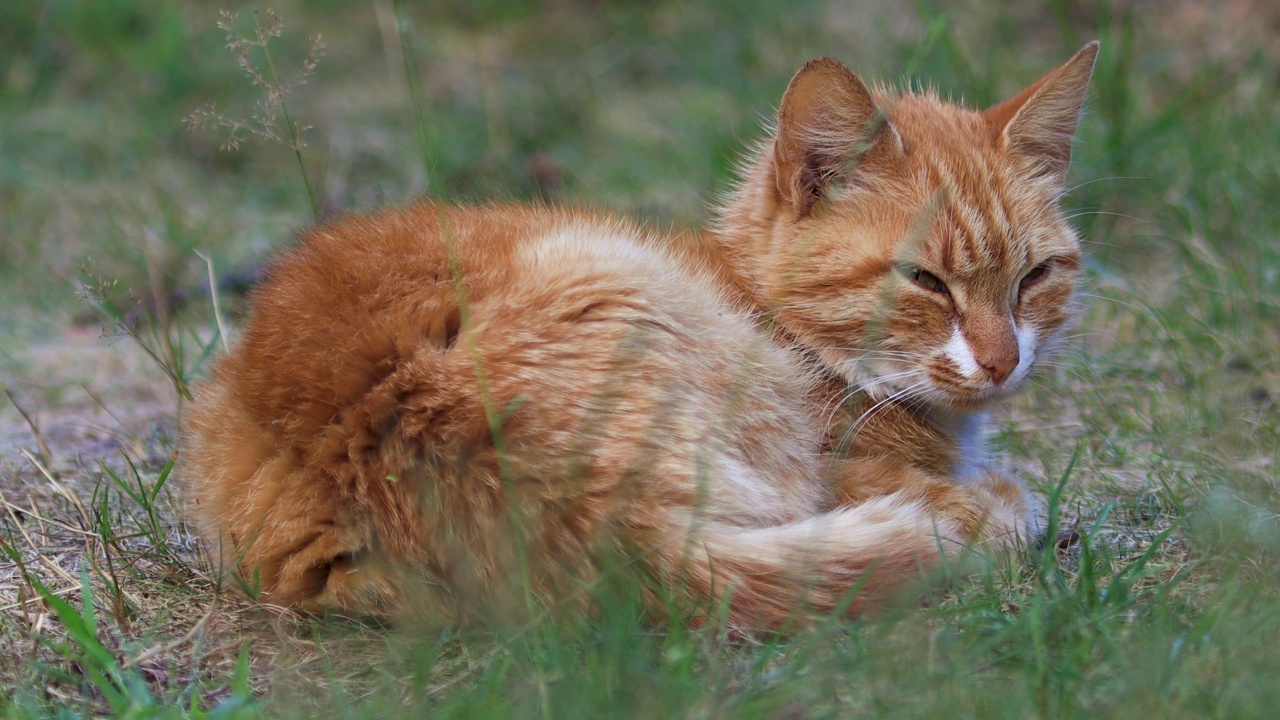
(784, 412)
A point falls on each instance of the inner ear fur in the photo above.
(827, 122)
(1037, 124)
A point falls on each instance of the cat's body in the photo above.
(479, 397)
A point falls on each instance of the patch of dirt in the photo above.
(85, 398)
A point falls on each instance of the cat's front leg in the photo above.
(1021, 512)
(1014, 515)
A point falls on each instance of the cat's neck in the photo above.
(968, 432)
(950, 443)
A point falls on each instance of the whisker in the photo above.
(1046, 388)
(1075, 336)
(1117, 301)
(834, 406)
(878, 407)
(1073, 188)
(871, 351)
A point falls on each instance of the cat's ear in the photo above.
(827, 123)
(1037, 124)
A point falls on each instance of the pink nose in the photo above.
(999, 367)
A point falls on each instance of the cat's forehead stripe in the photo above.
(977, 223)
(959, 155)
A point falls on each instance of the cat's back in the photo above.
(358, 297)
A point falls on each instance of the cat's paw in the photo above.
(1013, 518)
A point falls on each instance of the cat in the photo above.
(782, 413)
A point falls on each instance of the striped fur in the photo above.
(782, 413)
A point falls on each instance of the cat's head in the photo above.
(918, 246)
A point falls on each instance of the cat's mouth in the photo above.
(972, 392)
(931, 385)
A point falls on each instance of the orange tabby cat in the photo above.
(785, 412)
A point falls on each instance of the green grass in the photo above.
(1156, 436)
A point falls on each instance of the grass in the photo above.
(1156, 437)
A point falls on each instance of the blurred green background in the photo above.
(640, 106)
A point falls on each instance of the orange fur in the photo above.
(771, 415)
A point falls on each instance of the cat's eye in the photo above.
(1037, 274)
(925, 279)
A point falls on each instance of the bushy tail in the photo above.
(852, 558)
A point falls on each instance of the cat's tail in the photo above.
(851, 559)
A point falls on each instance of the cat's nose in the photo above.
(999, 367)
